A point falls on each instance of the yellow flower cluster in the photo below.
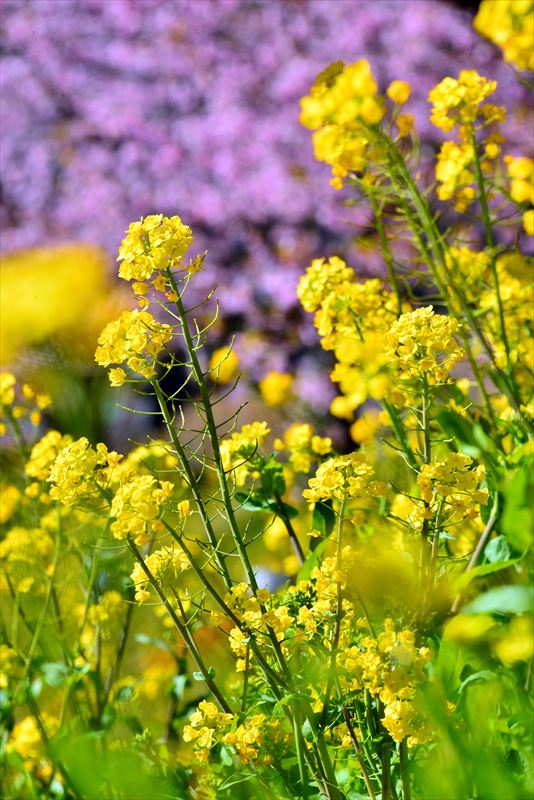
(352, 320)
(521, 174)
(321, 278)
(158, 562)
(26, 740)
(452, 484)
(239, 449)
(9, 499)
(23, 553)
(517, 296)
(341, 105)
(136, 505)
(134, 339)
(458, 101)
(303, 445)
(510, 24)
(422, 344)
(80, 472)
(275, 388)
(351, 309)
(454, 174)
(7, 388)
(204, 723)
(30, 405)
(101, 623)
(153, 244)
(344, 478)
(8, 665)
(473, 266)
(248, 738)
(44, 453)
(392, 667)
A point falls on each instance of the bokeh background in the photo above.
(112, 109)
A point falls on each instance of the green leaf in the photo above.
(272, 478)
(255, 501)
(484, 569)
(323, 517)
(178, 686)
(470, 438)
(276, 507)
(497, 550)
(503, 600)
(226, 757)
(312, 561)
(517, 519)
(477, 677)
(55, 674)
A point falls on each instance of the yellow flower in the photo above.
(134, 339)
(342, 102)
(44, 453)
(510, 25)
(344, 477)
(399, 92)
(160, 563)
(521, 174)
(422, 344)
(117, 376)
(7, 388)
(528, 222)
(153, 243)
(238, 450)
(405, 124)
(453, 484)
(9, 498)
(223, 365)
(136, 504)
(51, 292)
(275, 388)
(459, 100)
(184, 508)
(79, 472)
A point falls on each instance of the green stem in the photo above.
(297, 547)
(398, 427)
(386, 250)
(193, 484)
(490, 241)
(404, 771)
(183, 630)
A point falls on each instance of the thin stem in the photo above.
(490, 241)
(386, 250)
(357, 750)
(183, 630)
(481, 544)
(297, 547)
(193, 485)
(404, 771)
(338, 618)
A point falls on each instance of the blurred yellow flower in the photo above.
(223, 365)
(275, 388)
(53, 292)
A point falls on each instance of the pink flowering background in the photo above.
(113, 109)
